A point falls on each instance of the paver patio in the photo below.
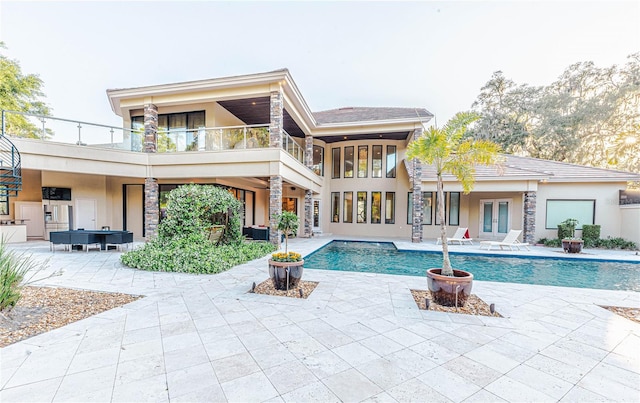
(358, 337)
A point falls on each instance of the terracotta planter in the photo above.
(572, 245)
(285, 275)
(444, 288)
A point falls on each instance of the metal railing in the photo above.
(48, 128)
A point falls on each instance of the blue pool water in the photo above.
(381, 257)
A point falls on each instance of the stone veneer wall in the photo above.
(529, 218)
(275, 207)
(276, 120)
(416, 188)
(151, 207)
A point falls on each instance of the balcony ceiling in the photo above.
(256, 111)
(367, 136)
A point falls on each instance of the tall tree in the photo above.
(589, 116)
(21, 93)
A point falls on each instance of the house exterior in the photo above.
(342, 171)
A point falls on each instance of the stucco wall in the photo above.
(607, 211)
(630, 223)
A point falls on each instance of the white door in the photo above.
(317, 219)
(495, 218)
(85, 213)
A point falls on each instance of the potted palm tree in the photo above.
(567, 232)
(449, 151)
(285, 268)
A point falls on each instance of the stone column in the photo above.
(529, 217)
(416, 188)
(151, 188)
(308, 214)
(308, 152)
(150, 128)
(151, 207)
(276, 120)
(275, 208)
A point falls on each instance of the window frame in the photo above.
(335, 207)
(335, 163)
(391, 173)
(349, 159)
(379, 205)
(363, 173)
(347, 214)
(361, 196)
(391, 220)
(374, 159)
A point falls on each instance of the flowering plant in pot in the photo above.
(285, 268)
(448, 150)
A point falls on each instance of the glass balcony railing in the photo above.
(76, 132)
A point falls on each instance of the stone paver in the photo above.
(358, 337)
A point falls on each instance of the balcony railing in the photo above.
(76, 132)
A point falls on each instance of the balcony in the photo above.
(47, 128)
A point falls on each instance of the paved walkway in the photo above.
(359, 337)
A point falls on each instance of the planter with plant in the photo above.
(567, 232)
(285, 268)
(449, 151)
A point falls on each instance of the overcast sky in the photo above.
(435, 55)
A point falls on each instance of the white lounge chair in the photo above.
(459, 237)
(510, 241)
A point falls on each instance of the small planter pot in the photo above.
(447, 290)
(572, 245)
(285, 275)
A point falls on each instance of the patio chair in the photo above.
(460, 236)
(510, 241)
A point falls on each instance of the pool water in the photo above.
(382, 257)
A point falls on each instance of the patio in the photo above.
(358, 337)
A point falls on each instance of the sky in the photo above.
(429, 54)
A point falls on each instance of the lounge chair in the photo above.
(459, 236)
(510, 241)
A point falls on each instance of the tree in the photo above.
(20, 93)
(589, 116)
(449, 151)
(288, 223)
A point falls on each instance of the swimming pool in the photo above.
(382, 257)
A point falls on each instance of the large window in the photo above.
(176, 131)
(376, 161)
(376, 207)
(4, 204)
(430, 214)
(391, 161)
(348, 207)
(363, 159)
(335, 163)
(290, 204)
(318, 160)
(335, 206)
(362, 207)
(559, 210)
(390, 208)
(348, 162)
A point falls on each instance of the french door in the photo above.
(316, 216)
(495, 218)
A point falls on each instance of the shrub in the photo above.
(590, 235)
(567, 228)
(615, 243)
(554, 243)
(13, 269)
(183, 242)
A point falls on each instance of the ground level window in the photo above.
(390, 208)
(335, 207)
(362, 207)
(559, 210)
(376, 207)
(4, 204)
(348, 207)
(290, 204)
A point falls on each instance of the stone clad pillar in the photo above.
(151, 188)
(276, 121)
(275, 208)
(151, 207)
(308, 214)
(529, 217)
(416, 188)
(308, 195)
(150, 128)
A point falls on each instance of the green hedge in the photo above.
(590, 235)
(183, 241)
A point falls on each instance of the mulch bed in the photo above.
(474, 305)
(267, 288)
(632, 314)
(42, 309)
